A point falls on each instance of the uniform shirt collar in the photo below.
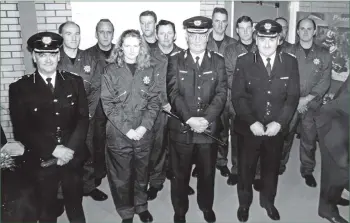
(273, 56)
(53, 81)
(201, 56)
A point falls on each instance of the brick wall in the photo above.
(12, 65)
(331, 6)
(208, 6)
(51, 14)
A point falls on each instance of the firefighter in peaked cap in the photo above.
(49, 112)
(197, 91)
(265, 94)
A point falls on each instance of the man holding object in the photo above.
(49, 112)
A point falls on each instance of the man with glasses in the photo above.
(197, 92)
(218, 42)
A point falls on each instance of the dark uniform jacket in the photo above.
(230, 55)
(332, 121)
(196, 93)
(160, 61)
(315, 72)
(286, 47)
(84, 66)
(259, 97)
(130, 101)
(97, 58)
(96, 53)
(36, 114)
(225, 42)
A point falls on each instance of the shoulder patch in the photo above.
(218, 54)
(242, 54)
(66, 72)
(292, 55)
(174, 53)
(27, 76)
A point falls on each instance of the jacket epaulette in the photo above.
(66, 72)
(241, 54)
(174, 53)
(292, 55)
(218, 54)
(27, 76)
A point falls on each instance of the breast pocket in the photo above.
(209, 80)
(281, 85)
(252, 84)
(69, 101)
(144, 97)
(38, 109)
(185, 80)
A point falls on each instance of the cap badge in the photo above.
(46, 40)
(197, 22)
(268, 26)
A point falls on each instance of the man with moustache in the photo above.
(99, 53)
(76, 61)
(197, 93)
(315, 66)
(265, 93)
(148, 21)
(245, 44)
(218, 42)
(159, 161)
(50, 116)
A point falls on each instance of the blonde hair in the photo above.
(117, 54)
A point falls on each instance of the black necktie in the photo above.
(197, 62)
(268, 66)
(49, 84)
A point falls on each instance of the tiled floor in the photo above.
(295, 201)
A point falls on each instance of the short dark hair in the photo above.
(219, 10)
(104, 20)
(149, 13)
(60, 29)
(313, 22)
(164, 23)
(281, 18)
(244, 19)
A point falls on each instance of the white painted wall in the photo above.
(125, 15)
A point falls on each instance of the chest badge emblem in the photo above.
(87, 69)
(316, 61)
(146, 80)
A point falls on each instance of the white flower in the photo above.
(87, 69)
(316, 61)
(146, 80)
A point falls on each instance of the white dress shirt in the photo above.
(201, 56)
(53, 81)
(272, 57)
